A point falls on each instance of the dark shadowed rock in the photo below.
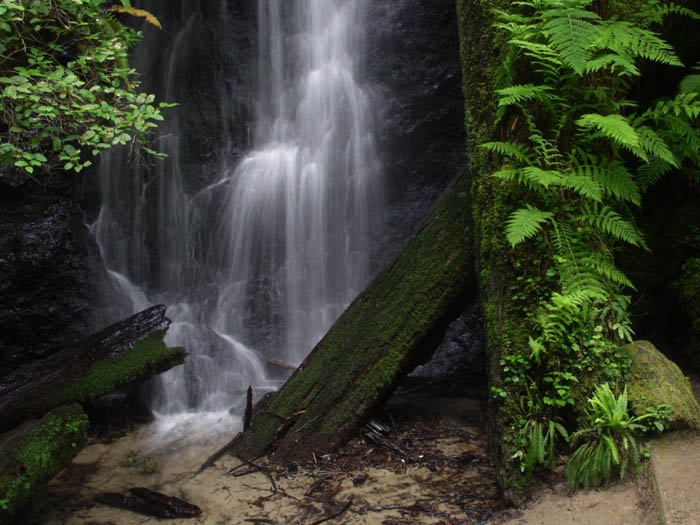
(50, 268)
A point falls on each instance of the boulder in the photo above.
(655, 379)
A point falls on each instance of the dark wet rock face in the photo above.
(460, 360)
(413, 66)
(50, 268)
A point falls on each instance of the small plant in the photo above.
(148, 466)
(610, 446)
(131, 459)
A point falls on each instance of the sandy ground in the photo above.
(444, 477)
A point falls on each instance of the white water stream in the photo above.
(257, 263)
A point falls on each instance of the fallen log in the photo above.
(150, 503)
(128, 351)
(37, 452)
(394, 325)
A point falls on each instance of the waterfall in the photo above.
(257, 261)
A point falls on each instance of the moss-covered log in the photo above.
(395, 324)
(29, 459)
(129, 351)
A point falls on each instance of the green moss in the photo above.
(481, 49)
(33, 459)
(149, 357)
(654, 379)
(378, 339)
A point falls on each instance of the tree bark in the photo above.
(128, 351)
(394, 325)
(35, 454)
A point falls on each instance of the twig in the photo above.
(334, 515)
(216, 455)
(263, 470)
(286, 419)
(414, 389)
(280, 364)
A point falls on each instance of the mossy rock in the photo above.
(655, 379)
(30, 460)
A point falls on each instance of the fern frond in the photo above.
(516, 95)
(613, 177)
(654, 146)
(537, 51)
(618, 63)
(652, 172)
(533, 175)
(671, 8)
(690, 84)
(585, 186)
(609, 221)
(607, 270)
(524, 223)
(614, 127)
(142, 13)
(626, 38)
(571, 34)
(512, 150)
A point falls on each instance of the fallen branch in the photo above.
(149, 503)
(280, 364)
(263, 470)
(334, 515)
(216, 455)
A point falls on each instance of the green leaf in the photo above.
(525, 223)
(614, 127)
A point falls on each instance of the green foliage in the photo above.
(609, 446)
(68, 93)
(31, 461)
(583, 152)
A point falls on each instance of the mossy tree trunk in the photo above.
(389, 329)
(37, 453)
(481, 49)
(128, 351)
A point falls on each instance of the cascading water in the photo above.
(259, 261)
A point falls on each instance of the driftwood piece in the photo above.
(394, 325)
(150, 503)
(131, 350)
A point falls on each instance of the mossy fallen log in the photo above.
(128, 351)
(37, 453)
(395, 324)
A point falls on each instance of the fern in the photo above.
(515, 95)
(626, 39)
(585, 153)
(614, 127)
(525, 223)
(690, 84)
(584, 186)
(607, 220)
(513, 150)
(571, 33)
(654, 146)
(612, 176)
